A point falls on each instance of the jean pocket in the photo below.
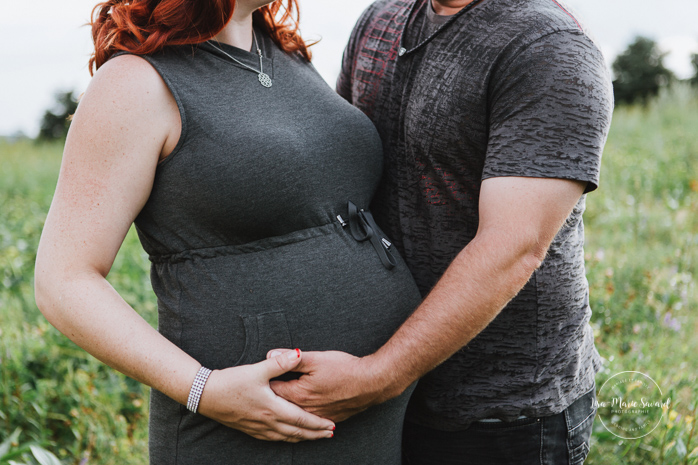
(263, 333)
(580, 419)
(579, 454)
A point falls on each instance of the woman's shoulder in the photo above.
(130, 83)
(130, 72)
(128, 91)
(150, 65)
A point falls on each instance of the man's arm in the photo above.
(519, 217)
(344, 80)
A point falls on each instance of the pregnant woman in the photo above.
(246, 177)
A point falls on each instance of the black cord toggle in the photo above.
(364, 228)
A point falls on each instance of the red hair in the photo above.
(146, 26)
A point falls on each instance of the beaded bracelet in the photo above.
(197, 388)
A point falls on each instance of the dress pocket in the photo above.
(263, 333)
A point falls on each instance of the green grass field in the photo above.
(642, 255)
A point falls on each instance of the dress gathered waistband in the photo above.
(362, 227)
(249, 247)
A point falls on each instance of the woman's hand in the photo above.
(240, 398)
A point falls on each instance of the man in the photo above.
(493, 115)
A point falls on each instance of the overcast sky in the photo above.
(44, 46)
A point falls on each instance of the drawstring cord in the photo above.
(364, 228)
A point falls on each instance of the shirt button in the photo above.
(402, 51)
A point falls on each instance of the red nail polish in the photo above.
(333, 428)
(298, 353)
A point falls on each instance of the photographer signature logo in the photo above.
(631, 405)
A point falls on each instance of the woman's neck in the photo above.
(238, 32)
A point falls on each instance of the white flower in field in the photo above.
(599, 255)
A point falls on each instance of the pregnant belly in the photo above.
(324, 293)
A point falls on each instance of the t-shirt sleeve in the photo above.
(550, 111)
(344, 81)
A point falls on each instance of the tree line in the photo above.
(639, 74)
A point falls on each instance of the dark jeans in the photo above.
(560, 439)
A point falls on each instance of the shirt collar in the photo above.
(409, 14)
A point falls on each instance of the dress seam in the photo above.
(248, 247)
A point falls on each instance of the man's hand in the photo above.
(336, 385)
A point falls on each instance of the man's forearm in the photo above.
(480, 281)
(519, 218)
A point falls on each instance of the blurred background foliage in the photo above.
(640, 72)
(51, 392)
(56, 121)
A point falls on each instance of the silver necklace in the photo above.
(263, 77)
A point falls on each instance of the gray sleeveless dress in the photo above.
(248, 252)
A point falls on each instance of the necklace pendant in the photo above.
(264, 79)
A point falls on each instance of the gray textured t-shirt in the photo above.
(505, 88)
(428, 23)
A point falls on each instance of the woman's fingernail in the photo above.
(274, 353)
(333, 427)
(293, 354)
(298, 353)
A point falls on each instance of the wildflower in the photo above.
(671, 322)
